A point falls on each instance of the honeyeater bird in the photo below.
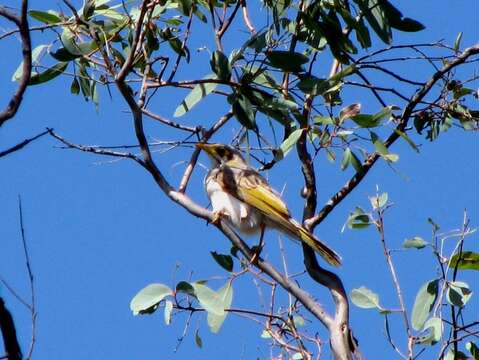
(240, 195)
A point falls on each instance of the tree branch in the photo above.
(402, 123)
(22, 144)
(22, 24)
(9, 333)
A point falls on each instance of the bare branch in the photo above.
(93, 149)
(194, 157)
(22, 24)
(30, 280)
(22, 144)
(9, 333)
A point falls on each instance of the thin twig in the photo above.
(22, 144)
(31, 281)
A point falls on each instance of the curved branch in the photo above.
(9, 333)
(22, 23)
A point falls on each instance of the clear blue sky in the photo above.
(98, 231)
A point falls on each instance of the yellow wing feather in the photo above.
(255, 191)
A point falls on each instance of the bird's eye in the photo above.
(221, 152)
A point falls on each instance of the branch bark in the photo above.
(22, 23)
(9, 333)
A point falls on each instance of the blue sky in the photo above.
(98, 231)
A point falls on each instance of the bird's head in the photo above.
(222, 154)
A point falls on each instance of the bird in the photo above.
(241, 196)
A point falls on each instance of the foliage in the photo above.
(274, 83)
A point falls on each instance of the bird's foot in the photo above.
(217, 217)
(256, 253)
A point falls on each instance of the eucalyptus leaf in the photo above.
(434, 328)
(48, 74)
(288, 144)
(225, 296)
(416, 242)
(473, 349)
(225, 261)
(425, 300)
(466, 260)
(195, 96)
(36, 53)
(287, 61)
(49, 17)
(198, 340)
(365, 298)
(458, 293)
(220, 65)
(148, 298)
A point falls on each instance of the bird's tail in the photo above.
(321, 248)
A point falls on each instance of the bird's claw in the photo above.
(256, 253)
(217, 216)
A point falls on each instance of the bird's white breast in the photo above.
(241, 215)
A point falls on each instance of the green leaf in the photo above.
(168, 310)
(195, 96)
(287, 61)
(382, 150)
(49, 17)
(198, 340)
(358, 219)
(351, 69)
(346, 160)
(312, 85)
(397, 21)
(356, 163)
(36, 53)
(416, 242)
(425, 299)
(265, 334)
(243, 110)
(148, 298)
(434, 325)
(225, 296)
(370, 121)
(378, 201)
(298, 321)
(75, 86)
(365, 298)
(376, 17)
(225, 261)
(297, 356)
(48, 74)
(79, 49)
(209, 299)
(407, 139)
(473, 349)
(466, 260)
(288, 144)
(186, 288)
(220, 65)
(458, 293)
(408, 25)
(457, 43)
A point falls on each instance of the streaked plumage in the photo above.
(244, 197)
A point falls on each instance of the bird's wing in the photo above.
(255, 191)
